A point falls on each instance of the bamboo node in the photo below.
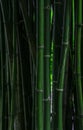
(65, 43)
(53, 113)
(16, 54)
(47, 99)
(47, 7)
(10, 115)
(58, 89)
(81, 115)
(58, 3)
(78, 116)
(39, 90)
(40, 47)
(77, 74)
(79, 25)
(55, 82)
(57, 46)
(47, 56)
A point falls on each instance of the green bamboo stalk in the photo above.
(7, 67)
(47, 65)
(5, 122)
(5, 14)
(57, 39)
(3, 78)
(31, 14)
(54, 69)
(7, 73)
(8, 91)
(36, 24)
(73, 24)
(14, 68)
(40, 66)
(32, 68)
(1, 74)
(70, 73)
(8, 87)
(68, 96)
(72, 58)
(64, 54)
(79, 95)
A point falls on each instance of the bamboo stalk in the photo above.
(40, 66)
(57, 39)
(47, 65)
(64, 54)
(14, 68)
(7, 33)
(79, 95)
(1, 75)
(22, 85)
(73, 24)
(3, 78)
(68, 96)
(27, 23)
(7, 69)
(36, 11)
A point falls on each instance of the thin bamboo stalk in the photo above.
(47, 45)
(27, 23)
(68, 96)
(1, 75)
(79, 95)
(5, 15)
(3, 78)
(6, 53)
(36, 24)
(22, 85)
(14, 68)
(73, 24)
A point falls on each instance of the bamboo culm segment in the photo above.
(47, 65)
(40, 67)
(64, 54)
(14, 68)
(57, 39)
(79, 96)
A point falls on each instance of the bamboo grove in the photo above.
(41, 65)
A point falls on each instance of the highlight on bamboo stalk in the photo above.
(41, 66)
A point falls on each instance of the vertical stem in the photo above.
(14, 64)
(36, 10)
(1, 74)
(47, 65)
(57, 39)
(79, 94)
(40, 67)
(61, 77)
(73, 24)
